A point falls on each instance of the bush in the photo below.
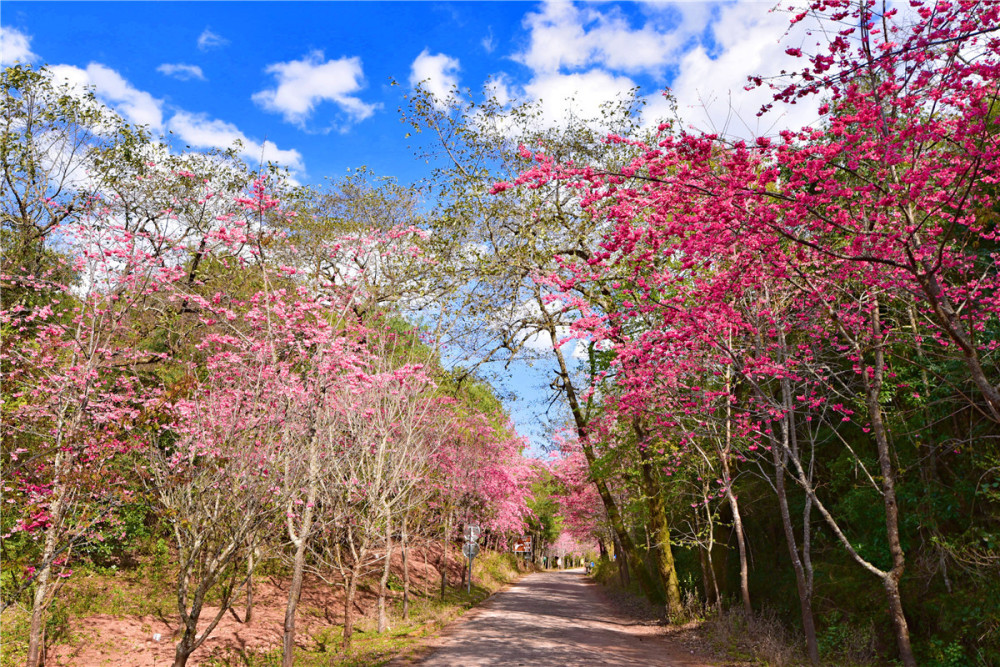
(844, 643)
(605, 571)
(761, 637)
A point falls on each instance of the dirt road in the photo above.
(554, 619)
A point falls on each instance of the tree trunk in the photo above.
(300, 539)
(899, 621)
(805, 592)
(190, 640)
(352, 589)
(406, 571)
(623, 541)
(40, 601)
(779, 455)
(250, 568)
(444, 554)
(383, 619)
(36, 638)
(706, 579)
(891, 584)
(185, 647)
(622, 563)
(873, 388)
(662, 552)
(626, 550)
(716, 595)
(742, 547)
(294, 592)
(727, 478)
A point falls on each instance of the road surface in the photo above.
(554, 619)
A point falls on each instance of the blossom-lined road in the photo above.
(551, 619)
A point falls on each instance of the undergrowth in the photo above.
(762, 638)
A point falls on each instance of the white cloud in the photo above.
(489, 42)
(579, 96)
(712, 47)
(438, 73)
(658, 109)
(136, 106)
(559, 98)
(749, 40)
(500, 89)
(302, 84)
(200, 131)
(208, 40)
(541, 341)
(181, 71)
(564, 36)
(196, 130)
(15, 46)
(523, 323)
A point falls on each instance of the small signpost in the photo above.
(523, 546)
(470, 549)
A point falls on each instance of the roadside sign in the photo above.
(472, 532)
(470, 549)
(522, 545)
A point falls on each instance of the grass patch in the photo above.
(89, 592)
(759, 639)
(15, 623)
(764, 639)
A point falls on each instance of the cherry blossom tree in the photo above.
(76, 388)
(776, 260)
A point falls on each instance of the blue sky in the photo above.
(307, 84)
(312, 78)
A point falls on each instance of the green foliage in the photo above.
(944, 654)
(844, 643)
(14, 647)
(605, 570)
(38, 111)
(545, 523)
(497, 569)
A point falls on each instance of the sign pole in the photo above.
(471, 548)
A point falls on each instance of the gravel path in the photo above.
(554, 619)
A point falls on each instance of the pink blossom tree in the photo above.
(76, 389)
(761, 263)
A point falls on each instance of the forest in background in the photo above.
(786, 406)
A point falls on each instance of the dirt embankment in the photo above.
(148, 641)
